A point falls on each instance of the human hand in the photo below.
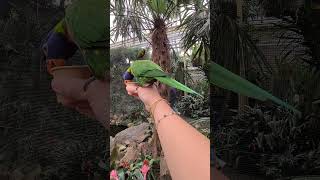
(148, 95)
(92, 103)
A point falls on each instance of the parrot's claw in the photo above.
(86, 84)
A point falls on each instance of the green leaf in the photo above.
(114, 155)
(151, 162)
(121, 174)
(224, 78)
(158, 6)
(137, 173)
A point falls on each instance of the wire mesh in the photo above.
(36, 131)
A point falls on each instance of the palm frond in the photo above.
(135, 18)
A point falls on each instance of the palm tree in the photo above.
(231, 46)
(137, 18)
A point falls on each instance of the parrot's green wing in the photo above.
(140, 67)
(97, 61)
(87, 20)
(223, 78)
(88, 24)
(150, 70)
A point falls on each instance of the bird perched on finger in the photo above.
(146, 72)
(141, 54)
(84, 27)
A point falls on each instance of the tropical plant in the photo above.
(279, 8)
(195, 28)
(229, 42)
(136, 18)
(298, 40)
(270, 141)
(191, 106)
(299, 35)
(142, 169)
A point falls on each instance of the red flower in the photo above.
(125, 165)
(145, 162)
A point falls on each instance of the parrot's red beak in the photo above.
(54, 63)
(127, 82)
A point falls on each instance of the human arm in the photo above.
(187, 151)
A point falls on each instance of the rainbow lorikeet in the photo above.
(85, 27)
(141, 54)
(147, 72)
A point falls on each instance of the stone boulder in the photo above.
(132, 141)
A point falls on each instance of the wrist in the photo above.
(161, 112)
(153, 100)
(148, 97)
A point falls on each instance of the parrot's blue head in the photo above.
(57, 46)
(127, 75)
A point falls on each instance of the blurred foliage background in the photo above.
(39, 138)
(259, 140)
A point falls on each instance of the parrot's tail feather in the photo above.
(226, 79)
(175, 84)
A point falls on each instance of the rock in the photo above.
(131, 155)
(145, 148)
(133, 134)
(131, 142)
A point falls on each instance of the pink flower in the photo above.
(144, 170)
(114, 175)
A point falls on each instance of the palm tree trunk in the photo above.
(161, 56)
(161, 51)
(242, 100)
(239, 10)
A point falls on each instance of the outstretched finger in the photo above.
(69, 87)
(132, 89)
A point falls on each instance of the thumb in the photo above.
(69, 87)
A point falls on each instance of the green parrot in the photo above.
(146, 72)
(141, 54)
(224, 78)
(88, 25)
